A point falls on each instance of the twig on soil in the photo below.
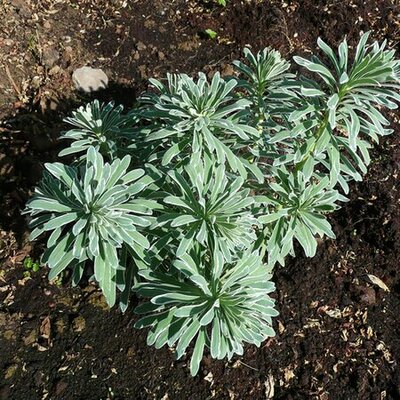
(363, 219)
(12, 81)
(248, 366)
(285, 30)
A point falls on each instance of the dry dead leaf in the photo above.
(22, 282)
(288, 374)
(376, 281)
(370, 332)
(9, 299)
(335, 367)
(45, 328)
(10, 371)
(314, 304)
(5, 288)
(312, 323)
(209, 377)
(30, 338)
(334, 313)
(40, 347)
(269, 387)
(236, 364)
(386, 353)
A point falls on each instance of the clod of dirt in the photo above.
(9, 335)
(141, 46)
(22, 8)
(368, 296)
(30, 338)
(98, 300)
(50, 56)
(89, 79)
(11, 370)
(79, 324)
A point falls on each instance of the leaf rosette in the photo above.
(197, 116)
(93, 211)
(295, 209)
(99, 125)
(210, 207)
(218, 305)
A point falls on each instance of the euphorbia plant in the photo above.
(217, 182)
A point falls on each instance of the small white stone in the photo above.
(89, 79)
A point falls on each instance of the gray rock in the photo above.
(89, 79)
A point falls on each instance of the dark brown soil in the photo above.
(338, 330)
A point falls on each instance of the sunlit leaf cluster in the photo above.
(193, 197)
(218, 305)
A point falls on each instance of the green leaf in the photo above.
(108, 285)
(187, 337)
(60, 221)
(184, 220)
(306, 239)
(48, 205)
(197, 352)
(318, 223)
(266, 219)
(333, 101)
(210, 33)
(311, 92)
(330, 53)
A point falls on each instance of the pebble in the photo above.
(141, 46)
(89, 79)
(55, 70)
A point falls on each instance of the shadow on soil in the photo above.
(29, 139)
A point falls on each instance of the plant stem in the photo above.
(341, 93)
(317, 135)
